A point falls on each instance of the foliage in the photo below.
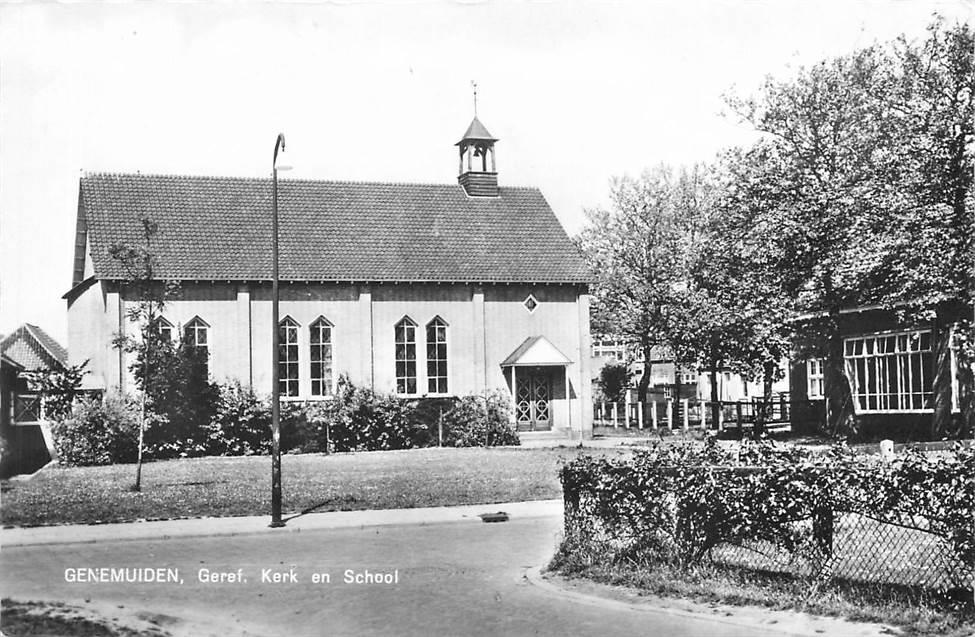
(637, 251)
(241, 423)
(98, 432)
(365, 420)
(480, 421)
(614, 380)
(675, 504)
(181, 400)
(59, 388)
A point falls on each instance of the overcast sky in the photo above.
(576, 92)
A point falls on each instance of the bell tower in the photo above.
(476, 174)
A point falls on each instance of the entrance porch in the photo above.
(537, 377)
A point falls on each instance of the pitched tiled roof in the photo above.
(220, 227)
(33, 349)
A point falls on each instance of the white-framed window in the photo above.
(890, 372)
(437, 356)
(288, 357)
(321, 357)
(814, 378)
(196, 334)
(164, 328)
(688, 377)
(609, 349)
(405, 339)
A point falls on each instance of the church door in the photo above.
(533, 404)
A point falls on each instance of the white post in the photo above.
(720, 416)
(887, 450)
(670, 413)
(639, 415)
(687, 421)
(615, 416)
(653, 414)
(514, 395)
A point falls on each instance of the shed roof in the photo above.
(33, 349)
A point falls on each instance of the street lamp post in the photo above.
(275, 390)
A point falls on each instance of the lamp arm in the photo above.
(279, 143)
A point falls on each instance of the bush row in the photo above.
(676, 504)
(236, 421)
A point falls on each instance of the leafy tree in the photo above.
(861, 190)
(637, 250)
(139, 264)
(59, 388)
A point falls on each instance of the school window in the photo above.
(196, 335)
(890, 372)
(321, 358)
(688, 377)
(405, 333)
(288, 357)
(814, 378)
(437, 356)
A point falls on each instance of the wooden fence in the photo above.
(688, 413)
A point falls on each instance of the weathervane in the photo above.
(474, 85)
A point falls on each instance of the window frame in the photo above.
(867, 348)
(287, 326)
(437, 323)
(409, 326)
(196, 325)
(817, 377)
(317, 326)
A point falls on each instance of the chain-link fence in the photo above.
(902, 551)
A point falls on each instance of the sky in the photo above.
(577, 93)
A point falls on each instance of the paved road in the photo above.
(462, 578)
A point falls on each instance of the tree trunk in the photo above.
(765, 411)
(840, 418)
(644, 386)
(941, 425)
(715, 406)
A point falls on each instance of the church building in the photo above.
(421, 290)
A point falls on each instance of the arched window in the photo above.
(164, 328)
(437, 356)
(321, 357)
(406, 356)
(288, 357)
(196, 334)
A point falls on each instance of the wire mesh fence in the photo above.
(907, 552)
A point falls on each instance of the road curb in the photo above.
(254, 525)
(822, 625)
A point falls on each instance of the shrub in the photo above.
(241, 424)
(365, 420)
(480, 421)
(99, 432)
(614, 378)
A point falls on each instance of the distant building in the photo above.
(422, 290)
(27, 441)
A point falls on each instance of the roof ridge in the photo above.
(354, 182)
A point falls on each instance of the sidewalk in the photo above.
(250, 525)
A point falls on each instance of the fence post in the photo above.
(626, 410)
(440, 429)
(687, 419)
(639, 414)
(720, 416)
(670, 414)
(653, 414)
(741, 424)
(615, 416)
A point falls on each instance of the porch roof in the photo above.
(536, 350)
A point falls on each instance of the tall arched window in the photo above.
(196, 334)
(437, 356)
(406, 356)
(288, 357)
(321, 357)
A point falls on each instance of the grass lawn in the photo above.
(242, 485)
